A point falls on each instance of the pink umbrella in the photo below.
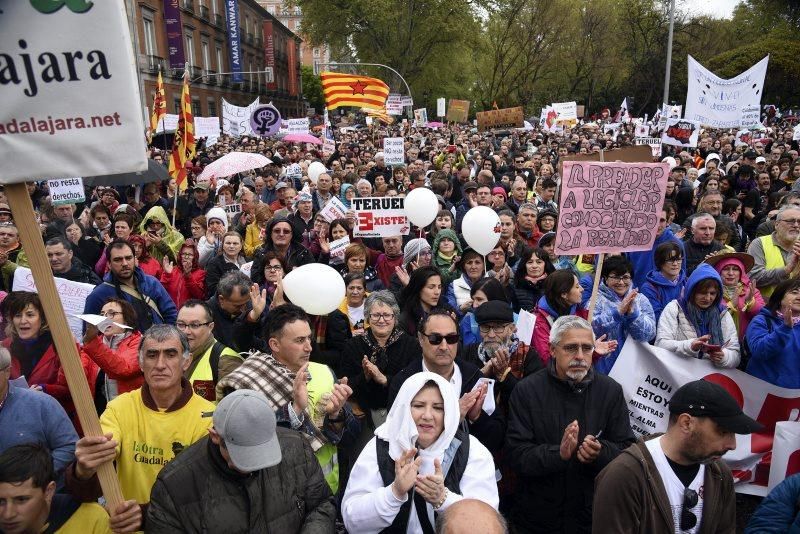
(302, 138)
(232, 163)
(435, 124)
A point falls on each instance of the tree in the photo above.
(312, 88)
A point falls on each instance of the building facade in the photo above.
(291, 17)
(197, 32)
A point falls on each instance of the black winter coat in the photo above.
(527, 294)
(198, 492)
(215, 270)
(554, 495)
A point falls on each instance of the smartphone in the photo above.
(711, 348)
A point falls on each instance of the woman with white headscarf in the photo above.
(418, 464)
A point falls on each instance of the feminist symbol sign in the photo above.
(265, 120)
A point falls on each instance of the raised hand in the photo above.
(405, 473)
(475, 411)
(338, 397)
(569, 441)
(300, 390)
(258, 299)
(167, 265)
(603, 347)
(431, 487)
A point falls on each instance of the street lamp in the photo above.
(408, 89)
(669, 51)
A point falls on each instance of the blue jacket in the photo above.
(148, 286)
(777, 513)
(660, 291)
(643, 261)
(640, 323)
(28, 416)
(774, 350)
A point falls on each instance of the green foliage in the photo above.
(312, 88)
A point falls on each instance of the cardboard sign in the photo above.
(380, 217)
(653, 142)
(681, 132)
(337, 249)
(73, 296)
(440, 105)
(66, 191)
(500, 118)
(610, 207)
(751, 117)
(333, 209)
(717, 102)
(457, 110)
(232, 209)
(649, 377)
(394, 105)
(69, 89)
(393, 151)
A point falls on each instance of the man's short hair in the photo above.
(233, 280)
(438, 311)
(161, 333)
(25, 462)
(117, 244)
(281, 316)
(59, 240)
(785, 208)
(5, 359)
(567, 322)
(528, 206)
(197, 303)
(701, 216)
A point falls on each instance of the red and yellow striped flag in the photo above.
(159, 106)
(183, 147)
(349, 90)
(379, 114)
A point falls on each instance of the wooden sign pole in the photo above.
(30, 235)
(598, 269)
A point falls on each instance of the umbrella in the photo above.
(435, 124)
(155, 171)
(302, 138)
(232, 163)
(163, 140)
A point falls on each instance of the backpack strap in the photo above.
(139, 296)
(213, 359)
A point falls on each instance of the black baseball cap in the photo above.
(707, 399)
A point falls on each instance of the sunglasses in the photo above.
(436, 339)
(688, 519)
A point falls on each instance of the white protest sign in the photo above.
(368, 120)
(751, 117)
(421, 117)
(441, 107)
(73, 296)
(642, 130)
(525, 324)
(333, 209)
(796, 133)
(649, 377)
(394, 105)
(68, 83)
(232, 209)
(294, 171)
(393, 151)
(566, 111)
(297, 126)
(653, 142)
(328, 146)
(102, 322)
(236, 119)
(66, 191)
(206, 127)
(610, 207)
(380, 217)
(717, 102)
(337, 249)
(681, 132)
(406, 101)
(168, 123)
(785, 453)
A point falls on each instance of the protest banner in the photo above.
(566, 112)
(168, 123)
(337, 249)
(333, 209)
(380, 217)
(296, 126)
(500, 118)
(294, 172)
(717, 102)
(393, 151)
(650, 375)
(796, 133)
(207, 127)
(610, 207)
(681, 132)
(653, 142)
(236, 119)
(328, 147)
(265, 120)
(420, 117)
(457, 110)
(69, 88)
(751, 117)
(394, 104)
(440, 107)
(406, 101)
(231, 210)
(66, 191)
(642, 130)
(785, 452)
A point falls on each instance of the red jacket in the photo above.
(541, 332)
(120, 364)
(182, 287)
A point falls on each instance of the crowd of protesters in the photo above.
(415, 406)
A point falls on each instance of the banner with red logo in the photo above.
(650, 375)
(269, 55)
(380, 217)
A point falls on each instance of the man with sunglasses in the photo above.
(676, 481)
(565, 424)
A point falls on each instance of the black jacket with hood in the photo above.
(298, 254)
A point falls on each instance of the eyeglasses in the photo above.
(688, 519)
(790, 222)
(674, 259)
(573, 348)
(280, 231)
(273, 268)
(436, 339)
(187, 255)
(191, 326)
(497, 329)
(110, 314)
(626, 278)
(375, 317)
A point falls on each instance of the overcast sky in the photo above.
(715, 8)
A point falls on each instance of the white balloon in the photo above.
(315, 287)
(481, 229)
(315, 169)
(421, 206)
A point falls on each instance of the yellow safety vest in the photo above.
(204, 375)
(773, 259)
(322, 382)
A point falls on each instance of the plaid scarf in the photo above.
(262, 372)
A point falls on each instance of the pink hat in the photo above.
(499, 191)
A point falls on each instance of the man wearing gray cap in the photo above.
(260, 477)
(676, 481)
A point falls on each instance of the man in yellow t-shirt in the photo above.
(143, 429)
(28, 499)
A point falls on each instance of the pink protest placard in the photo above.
(609, 206)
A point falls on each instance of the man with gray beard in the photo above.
(565, 424)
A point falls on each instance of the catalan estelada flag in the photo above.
(183, 147)
(159, 107)
(349, 90)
